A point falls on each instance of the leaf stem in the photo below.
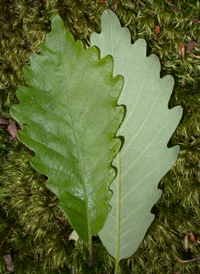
(116, 267)
(90, 264)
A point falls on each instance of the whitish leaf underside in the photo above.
(148, 125)
(69, 116)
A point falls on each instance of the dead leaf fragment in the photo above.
(3, 121)
(143, 6)
(191, 45)
(193, 237)
(182, 52)
(157, 30)
(13, 130)
(175, 8)
(9, 263)
(195, 21)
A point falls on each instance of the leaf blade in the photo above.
(70, 117)
(147, 128)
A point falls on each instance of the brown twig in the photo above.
(193, 20)
(186, 14)
(188, 261)
(196, 56)
(14, 232)
(11, 229)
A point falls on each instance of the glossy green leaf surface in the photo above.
(70, 116)
(148, 125)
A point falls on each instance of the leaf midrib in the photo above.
(79, 158)
(118, 203)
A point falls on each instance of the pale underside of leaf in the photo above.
(148, 125)
(73, 236)
(69, 115)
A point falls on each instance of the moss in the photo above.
(36, 230)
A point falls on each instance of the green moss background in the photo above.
(32, 227)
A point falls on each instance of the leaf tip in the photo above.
(56, 22)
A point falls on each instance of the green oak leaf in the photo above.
(144, 158)
(69, 116)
